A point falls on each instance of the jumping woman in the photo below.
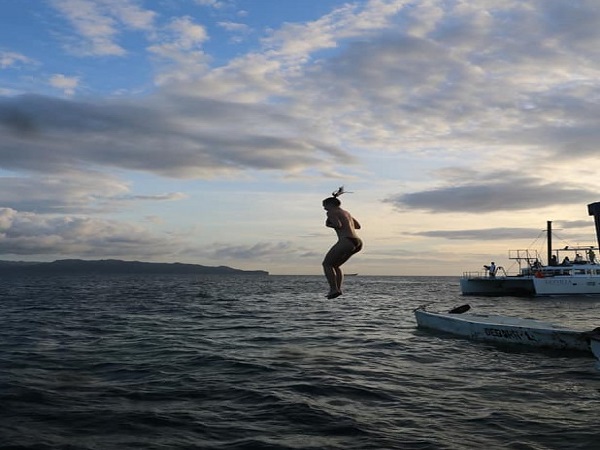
(347, 245)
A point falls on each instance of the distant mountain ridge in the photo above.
(115, 266)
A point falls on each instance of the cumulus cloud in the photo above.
(239, 30)
(64, 83)
(178, 48)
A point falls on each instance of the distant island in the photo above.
(114, 267)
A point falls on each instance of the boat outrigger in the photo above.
(577, 273)
(509, 330)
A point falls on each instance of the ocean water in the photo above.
(188, 362)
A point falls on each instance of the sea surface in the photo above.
(253, 362)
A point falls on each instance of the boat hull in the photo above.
(531, 285)
(567, 285)
(515, 286)
(505, 329)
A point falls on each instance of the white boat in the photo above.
(577, 273)
(509, 330)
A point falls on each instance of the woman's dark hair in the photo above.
(333, 201)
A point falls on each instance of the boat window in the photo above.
(580, 272)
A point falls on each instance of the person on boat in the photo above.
(591, 256)
(491, 269)
(347, 245)
(566, 261)
(553, 261)
(578, 259)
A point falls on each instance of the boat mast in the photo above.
(594, 210)
(549, 237)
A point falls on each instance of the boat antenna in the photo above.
(594, 210)
(549, 241)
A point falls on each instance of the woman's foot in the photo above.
(333, 295)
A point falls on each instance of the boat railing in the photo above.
(500, 272)
(528, 255)
(477, 274)
(582, 255)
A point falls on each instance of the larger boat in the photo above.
(568, 271)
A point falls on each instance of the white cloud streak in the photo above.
(13, 60)
(97, 22)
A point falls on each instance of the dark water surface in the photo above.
(185, 362)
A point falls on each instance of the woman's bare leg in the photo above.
(336, 256)
(331, 275)
(339, 278)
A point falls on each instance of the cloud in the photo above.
(361, 76)
(409, 78)
(240, 30)
(487, 234)
(234, 27)
(185, 34)
(13, 60)
(500, 191)
(511, 234)
(97, 24)
(570, 224)
(86, 192)
(296, 41)
(212, 3)
(73, 193)
(169, 196)
(66, 84)
(262, 251)
(33, 234)
(187, 138)
(178, 46)
(444, 77)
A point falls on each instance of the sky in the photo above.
(210, 131)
